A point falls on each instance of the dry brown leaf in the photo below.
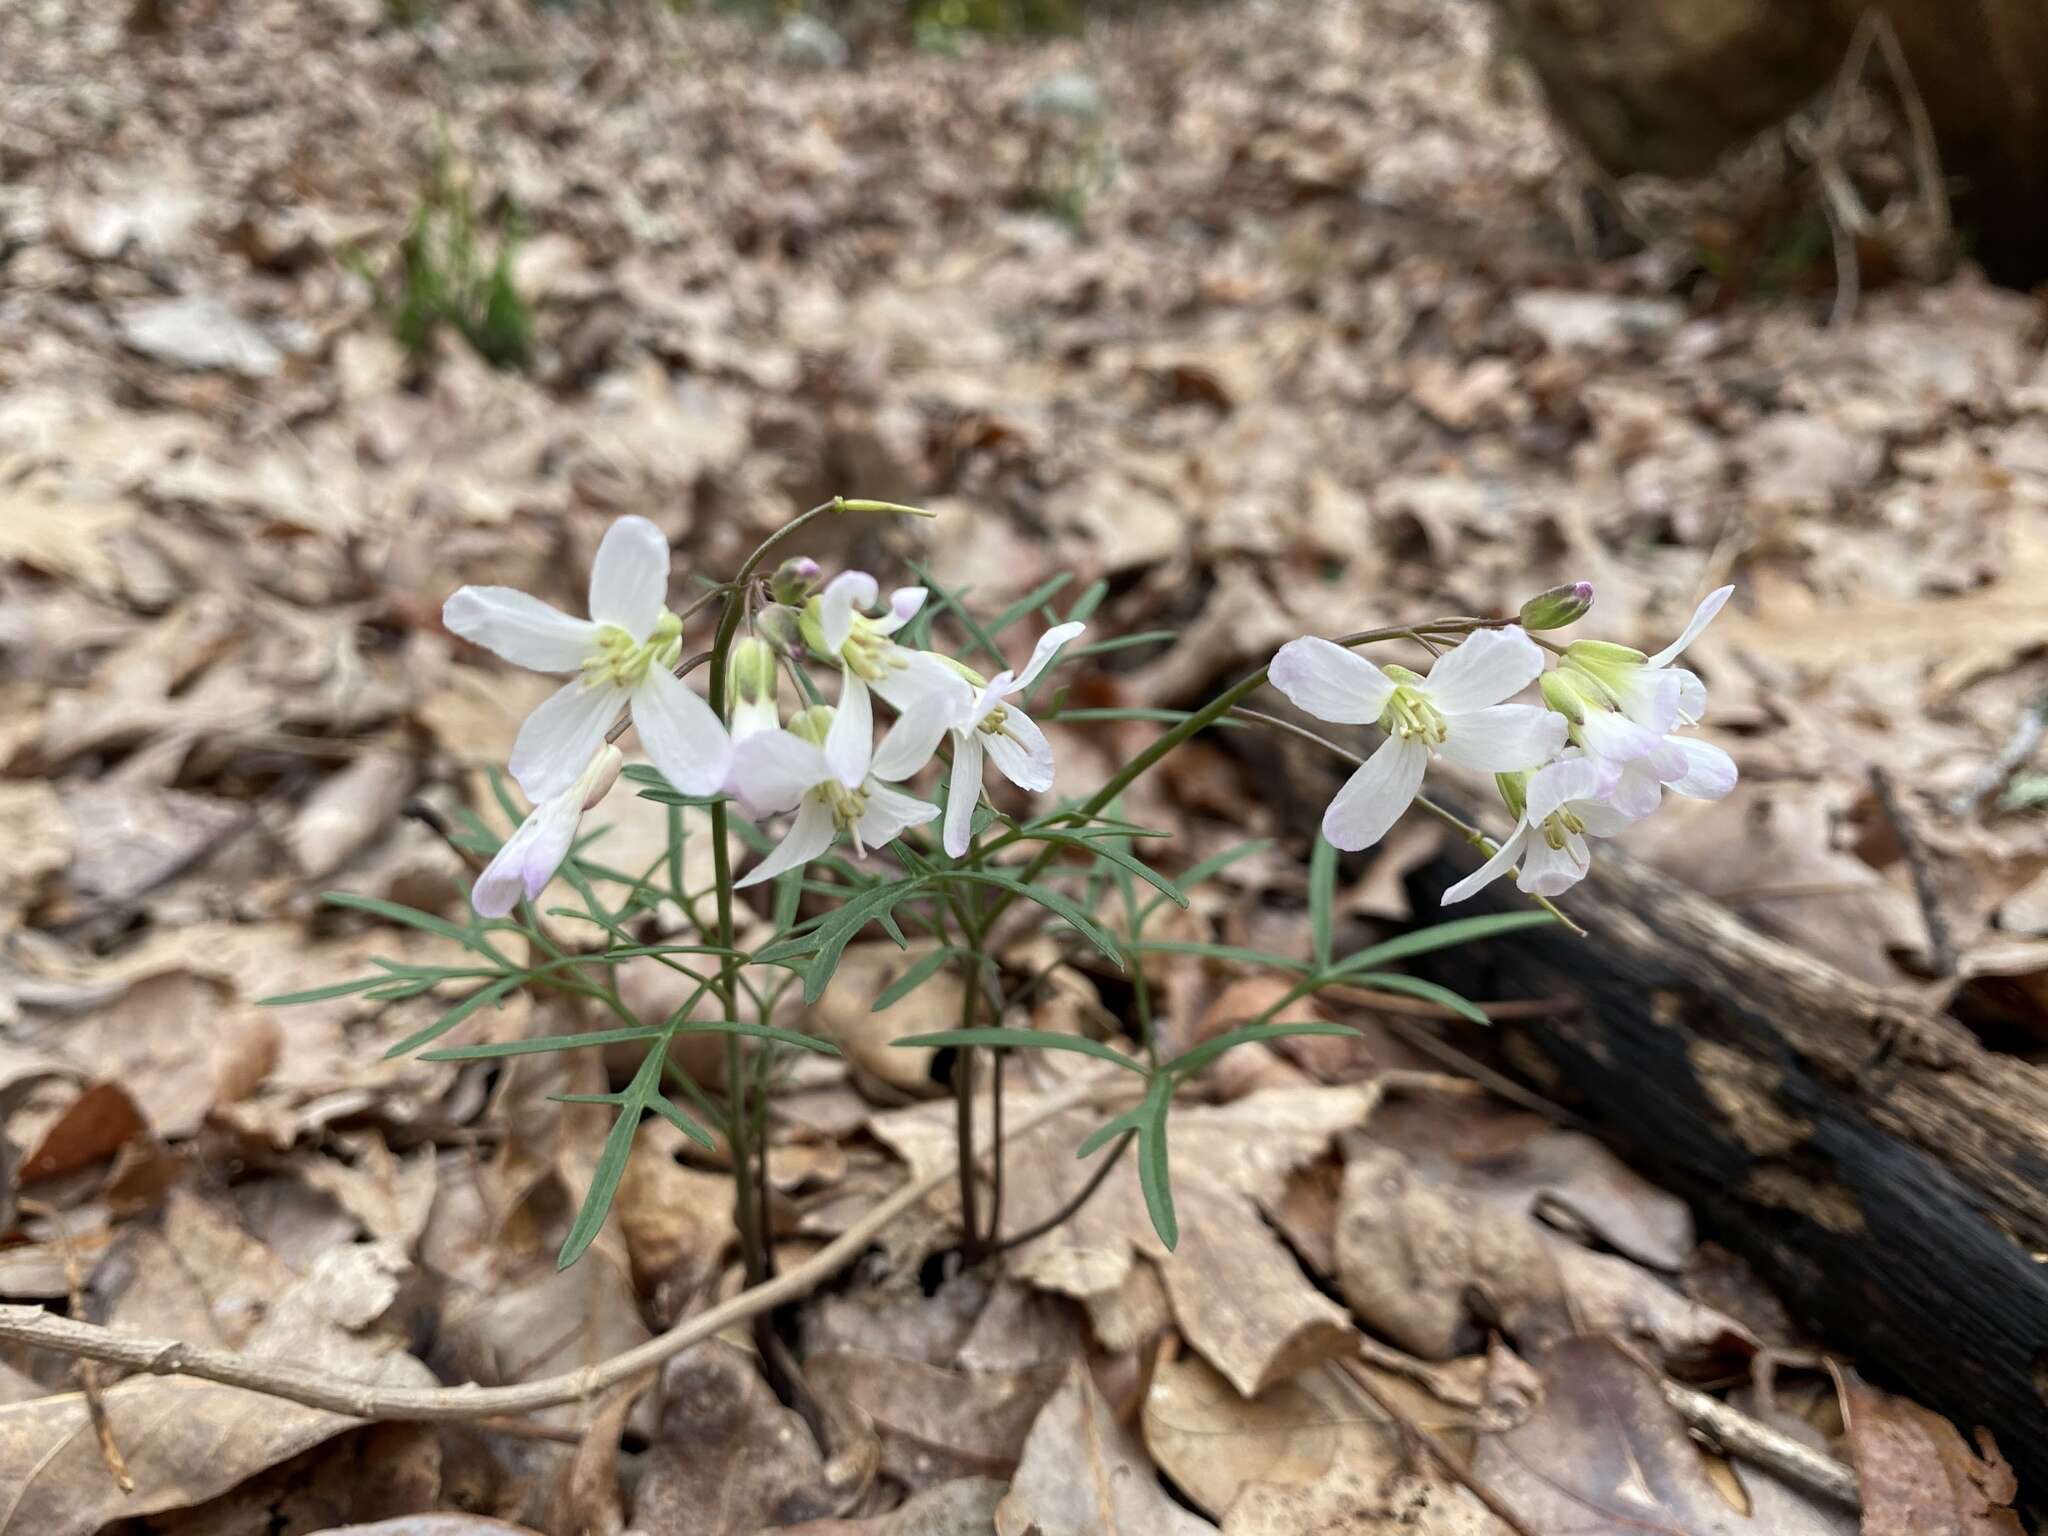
(845, 1014)
(676, 1221)
(937, 1424)
(1084, 1474)
(186, 1441)
(1918, 1476)
(728, 1458)
(964, 1507)
(432, 1525)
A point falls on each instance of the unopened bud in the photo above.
(751, 675)
(794, 580)
(602, 774)
(781, 628)
(1558, 607)
(1561, 694)
(812, 724)
(1514, 792)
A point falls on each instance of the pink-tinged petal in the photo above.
(963, 794)
(914, 679)
(519, 627)
(1702, 616)
(1503, 738)
(774, 770)
(1709, 772)
(1020, 752)
(682, 734)
(1571, 778)
(890, 812)
(844, 594)
(529, 859)
(554, 746)
(1548, 871)
(629, 577)
(1329, 682)
(808, 836)
(1374, 797)
(912, 740)
(1602, 818)
(1487, 666)
(1620, 740)
(1042, 654)
(850, 740)
(1502, 861)
(1638, 792)
(904, 603)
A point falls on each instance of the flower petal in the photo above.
(1620, 740)
(554, 746)
(519, 627)
(904, 603)
(1329, 682)
(1571, 778)
(1638, 792)
(1603, 818)
(808, 836)
(843, 594)
(850, 740)
(1374, 797)
(911, 678)
(773, 770)
(1647, 696)
(1020, 752)
(1702, 616)
(687, 741)
(889, 812)
(1709, 772)
(1042, 654)
(504, 880)
(629, 577)
(963, 793)
(1692, 697)
(912, 740)
(1548, 871)
(1503, 860)
(1488, 666)
(1503, 738)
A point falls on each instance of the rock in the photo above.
(1594, 322)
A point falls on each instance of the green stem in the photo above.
(1066, 1212)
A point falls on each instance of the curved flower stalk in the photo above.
(991, 731)
(820, 767)
(624, 652)
(1456, 713)
(532, 854)
(1557, 808)
(921, 687)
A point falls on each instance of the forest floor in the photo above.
(1279, 319)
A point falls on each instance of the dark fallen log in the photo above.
(1884, 1171)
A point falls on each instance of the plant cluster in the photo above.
(797, 671)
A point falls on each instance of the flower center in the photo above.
(620, 661)
(847, 805)
(994, 721)
(1560, 827)
(1410, 716)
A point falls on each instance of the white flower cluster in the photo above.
(1595, 755)
(823, 763)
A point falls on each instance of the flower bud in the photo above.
(795, 580)
(601, 775)
(751, 675)
(812, 724)
(781, 628)
(1514, 792)
(1563, 693)
(1558, 607)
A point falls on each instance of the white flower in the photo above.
(1558, 807)
(625, 651)
(531, 855)
(820, 765)
(1648, 689)
(918, 685)
(1455, 713)
(992, 730)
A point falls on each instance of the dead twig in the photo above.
(1941, 943)
(360, 1400)
(1751, 1439)
(1420, 1436)
(88, 1373)
(2019, 748)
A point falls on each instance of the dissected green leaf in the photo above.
(1021, 1039)
(483, 997)
(1415, 986)
(1194, 1060)
(1322, 900)
(1423, 941)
